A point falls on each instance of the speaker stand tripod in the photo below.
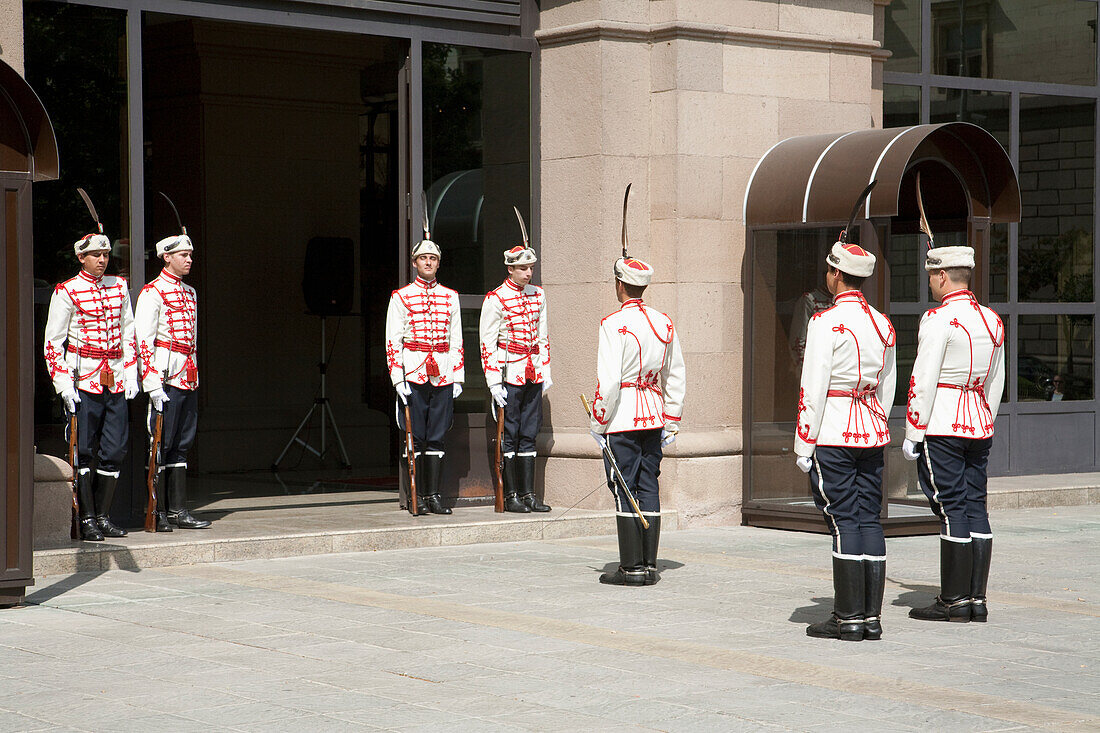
(319, 403)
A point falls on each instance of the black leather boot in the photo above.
(846, 623)
(953, 602)
(651, 538)
(162, 519)
(104, 493)
(85, 502)
(175, 479)
(981, 551)
(433, 471)
(874, 583)
(512, 502)
(631, 570)
(526, 475)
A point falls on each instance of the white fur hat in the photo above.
(426, 247)
(520, 255)
(852, 259)
(91, 243)
(175, 243)
(940, 258)
(632, 271)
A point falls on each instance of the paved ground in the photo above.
(521, 637)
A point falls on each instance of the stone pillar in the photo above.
(11, 33)
(681, 98)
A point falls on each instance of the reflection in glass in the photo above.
(1057, 162)
(788, 287)
(900, 105)
(477, 158)
(902, 37)
(998, 263)
(906, 268)
(1056, 355)
(1013, 39)
(988, 110)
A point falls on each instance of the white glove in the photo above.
(546, 385)
(131, 390)
(457, 390)
(600, 440)
(70, 398)
(158, 398)
(500, 396)
(804, 463)
(403, 391)
(909, 450)
(667, 438)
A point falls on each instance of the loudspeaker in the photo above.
(328, 277)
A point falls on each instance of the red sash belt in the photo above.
(176, 346)
(439, 348)
(860, 395)
(513, 347)
(979, 388)
(94, 352)
(651, 386)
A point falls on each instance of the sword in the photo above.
(855, 210)
(616, 473)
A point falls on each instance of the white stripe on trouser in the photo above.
(434, 453)
(982, 535)
(510, 454)
(875, 558)
(84, 471)
(936, 489)
(960, 540)
(112, 474)
(175, 465)
(531, 453)
(842, 556)
(825, 510)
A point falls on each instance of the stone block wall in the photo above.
(679, 98)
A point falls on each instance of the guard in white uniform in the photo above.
(167, 327)
(954, 395)
(426, 365)
(515, 354)
(90, 356)
(844, 401)
(641, 381)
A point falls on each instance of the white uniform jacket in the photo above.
(515, 347)
(424, 335)
(848, 378)
(166, 319)
(640, 371)
(90, 331)
(959, 373)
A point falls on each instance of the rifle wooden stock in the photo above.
(74, 527)
(410, 459)
(153, 476)
(498, 464)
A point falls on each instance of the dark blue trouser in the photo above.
(522, 418)
(847, 487)
(952, 473)
(638, 454)
(432, 411)
(181, 422)
(102, 420)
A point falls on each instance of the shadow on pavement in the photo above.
(819, 611)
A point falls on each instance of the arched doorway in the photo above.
(28, 153)
(799, 196)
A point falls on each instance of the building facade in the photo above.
(271, 124)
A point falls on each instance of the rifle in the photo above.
(153, 478)
(498, 464)
(410, 457)
(615, 472)
(74, 528)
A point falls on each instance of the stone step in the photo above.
(392, 530)
(1063, 489)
